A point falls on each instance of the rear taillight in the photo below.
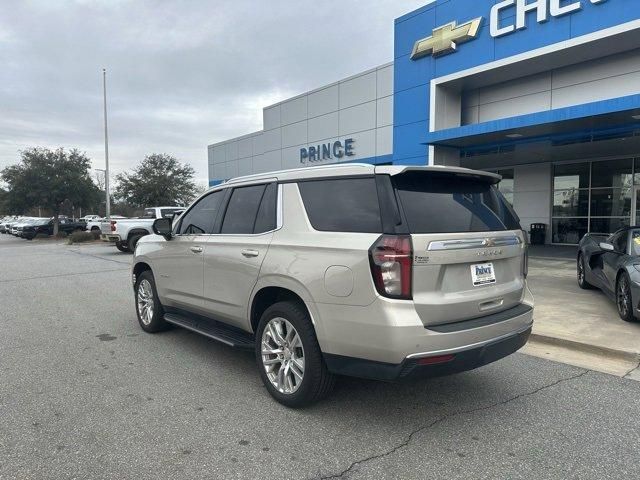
(391, 258)
(113, 225)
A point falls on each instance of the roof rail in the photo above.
(292, 170)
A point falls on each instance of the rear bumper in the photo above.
(463, 359)
(110, 237)
(390, 331)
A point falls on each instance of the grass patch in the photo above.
(81, 237)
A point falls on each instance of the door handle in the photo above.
(196, 249)
(250, 253)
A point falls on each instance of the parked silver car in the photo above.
(382, 272)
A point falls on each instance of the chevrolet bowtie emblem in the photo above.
(446, 39)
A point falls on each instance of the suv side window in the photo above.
(242, 210)
(201, 217)
(342, 205)
(267, 213)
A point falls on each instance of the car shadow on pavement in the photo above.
(467, 390)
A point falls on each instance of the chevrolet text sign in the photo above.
(542, 8)
(506, 17)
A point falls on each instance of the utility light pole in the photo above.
(100, 185)
(106, 147)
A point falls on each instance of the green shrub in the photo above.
(81, 237)
(62, 235)
(96, 235)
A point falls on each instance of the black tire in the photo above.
(95, 229)
(122, 247)
(624, 299)
(581, 274)
(154, 323)
(133, 241)
(317, 381)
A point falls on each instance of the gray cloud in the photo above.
(181, 75)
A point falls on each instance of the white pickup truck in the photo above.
(125, 233)
(94, 225)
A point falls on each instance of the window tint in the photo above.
(342, 205)
(436, 203)
(242, 210)
(266, 219)
(620, 240)
(201, 217)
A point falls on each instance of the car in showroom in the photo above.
(381, 272)
(611, 263)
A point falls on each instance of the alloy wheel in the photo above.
(581, 271)
(623, 297)
(283, 355)
(145, 301)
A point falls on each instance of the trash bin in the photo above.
(538, 233)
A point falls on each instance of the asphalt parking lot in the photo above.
(84, 393)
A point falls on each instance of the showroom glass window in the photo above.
(506, 185)
(591, 197)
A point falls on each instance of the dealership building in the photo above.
(544, 92)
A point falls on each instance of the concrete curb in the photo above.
(585, 347)
(553, 259)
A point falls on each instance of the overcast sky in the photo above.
(181, 75)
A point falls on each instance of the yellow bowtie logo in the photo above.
(446, 39)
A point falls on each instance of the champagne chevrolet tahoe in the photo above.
(381, 272)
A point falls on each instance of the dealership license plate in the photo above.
(483, 274)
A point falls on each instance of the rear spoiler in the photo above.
(483, 176)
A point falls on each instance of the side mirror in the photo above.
(607, 247)
(163, 226)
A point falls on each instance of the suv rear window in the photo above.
(444, 203)
(342, 205)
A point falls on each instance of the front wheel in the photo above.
(122, 247)
(624, 300)
(289, 358)
(148, 307)
(582, 279)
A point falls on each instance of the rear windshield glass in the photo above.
(443, 203)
